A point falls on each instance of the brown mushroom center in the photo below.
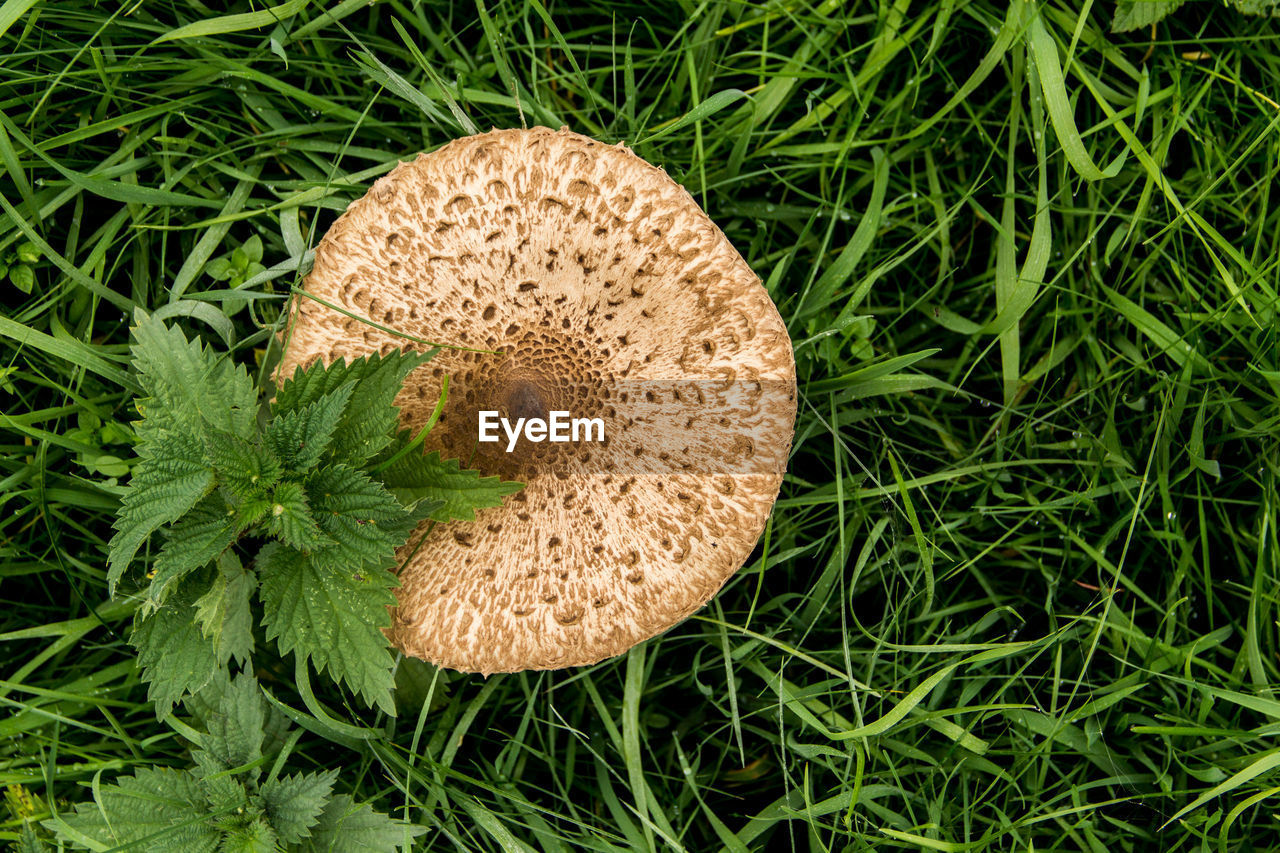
(524, 400)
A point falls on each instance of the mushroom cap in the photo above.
(608, 293)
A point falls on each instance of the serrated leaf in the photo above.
(348, 827)
(233, 734)
(1141, 13)
(189, 384)
(331, 618)
(459, 491)
(156, 810)
(191, 543)
(364, 521)
(291, 518)
(224, 612)
(249, 470)
(206, 702)
(29, 842)
(301, 437)
(256, 837)
(174, 656)
(293, 803)
(366, 425)
(171, 479)
(224, 794)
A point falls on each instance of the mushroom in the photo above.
(600, 289)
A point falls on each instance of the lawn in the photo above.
(1020, 588)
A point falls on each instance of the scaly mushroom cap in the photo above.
(608, 293)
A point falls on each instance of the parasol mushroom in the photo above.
(606, 293)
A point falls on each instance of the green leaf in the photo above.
(226, 795)
(366, 425)
(459, 491)
(23, 277)
(191, 543)
(348, 827)
(156, 810)
(188, 386)
(418, 682)
(176, 658)
(293, 803)
(233, 734)
(189, 383)
(253, 249)
(1142, 13)
(301, 437)
(220, 269)
(364, 521)
(28, 252)
(170, 479)
(291, 518)
(331, 617)
(1257, 7)
(29, 842)
(224, 612)
(237, 22)
(255, 837)
(248, 469)
(208, 701)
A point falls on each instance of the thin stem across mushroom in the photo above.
(606, 293)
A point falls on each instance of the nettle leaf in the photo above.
(460, 491)
(226, 796)
(254, 837)
(176, 658)
(301, 437)
(331, 617)
(28, 841)
(208, 701)
(293, 803)
(247, 469)
(156, 810)
(224, 612)
(189, 384)
(193, 542)
(233, 734)
(291, 518)
(352, 827)
(370, 416)
(171, 479)
(365, 522)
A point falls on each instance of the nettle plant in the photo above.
(236, 799)
(285, 513)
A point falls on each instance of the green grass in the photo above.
(1021, 587)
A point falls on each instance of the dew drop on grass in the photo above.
(1171, 516)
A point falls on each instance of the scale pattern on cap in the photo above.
(609, 294)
